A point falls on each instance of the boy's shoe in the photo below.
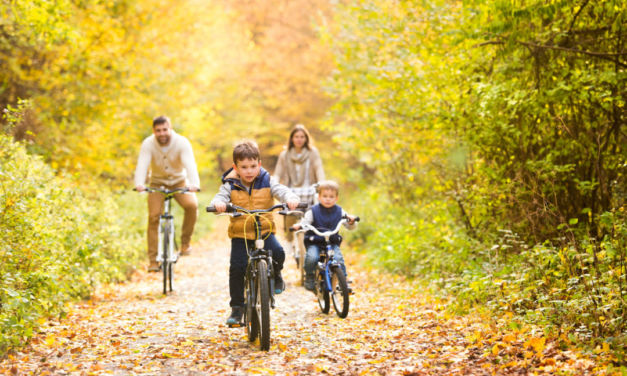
(236, 316)
(279, 285)
(309, 283)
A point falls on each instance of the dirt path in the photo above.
(390, 330)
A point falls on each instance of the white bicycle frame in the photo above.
(166, 221)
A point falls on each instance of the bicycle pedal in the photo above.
(241, 324)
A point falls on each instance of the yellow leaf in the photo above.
(536, 343)
(50, 340)
(495, 349)
(265, 371)
(509, 338)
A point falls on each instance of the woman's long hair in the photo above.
(300, 128)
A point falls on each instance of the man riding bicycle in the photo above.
(166, 160)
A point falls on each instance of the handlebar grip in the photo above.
(356, 219)
(229, 208)
(292, 230)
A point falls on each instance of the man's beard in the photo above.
(164, 140)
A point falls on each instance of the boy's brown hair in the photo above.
(245, 150)
(329, 185)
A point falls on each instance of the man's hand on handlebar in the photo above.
(140, 188)
(193, 188)
(292, 204)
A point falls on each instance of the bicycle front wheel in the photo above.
(170, 266)
(262, 305)
(339, 292)
(165, 264)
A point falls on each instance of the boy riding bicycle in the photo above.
(250, 186)
(324, 216)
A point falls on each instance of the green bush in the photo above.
(59, 238)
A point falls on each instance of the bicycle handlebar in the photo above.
(308, 227)
(166, 191)
(230, 208)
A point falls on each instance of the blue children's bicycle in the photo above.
(330, 283)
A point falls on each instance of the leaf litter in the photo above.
(393, 328)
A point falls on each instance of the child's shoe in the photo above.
(279, 285)
(236, 316)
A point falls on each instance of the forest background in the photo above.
(482, 141)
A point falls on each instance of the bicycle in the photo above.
(297, 244)
(259, 277)
(330, 283)
(167, 248)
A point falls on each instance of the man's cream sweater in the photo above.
(169, 165)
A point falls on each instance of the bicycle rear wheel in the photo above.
(250, 315)
(339, 292)
(322, 293)
(262, 304)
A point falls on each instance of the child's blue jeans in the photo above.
(239, 261)
(313, 256)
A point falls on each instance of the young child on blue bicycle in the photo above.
(248, 185)
(324, 216)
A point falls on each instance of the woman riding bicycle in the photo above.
(299, 167)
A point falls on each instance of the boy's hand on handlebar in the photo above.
(220, 207)
(292, 204)
(296, 227)
(351, 219)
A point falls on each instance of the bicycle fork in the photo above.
(262, 254)
(326, 269)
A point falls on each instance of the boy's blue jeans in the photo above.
(313, 256)
(239, 261)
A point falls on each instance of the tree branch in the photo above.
(601, 55)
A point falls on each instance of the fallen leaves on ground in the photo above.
(392, 329)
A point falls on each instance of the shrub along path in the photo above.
(391, 329)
